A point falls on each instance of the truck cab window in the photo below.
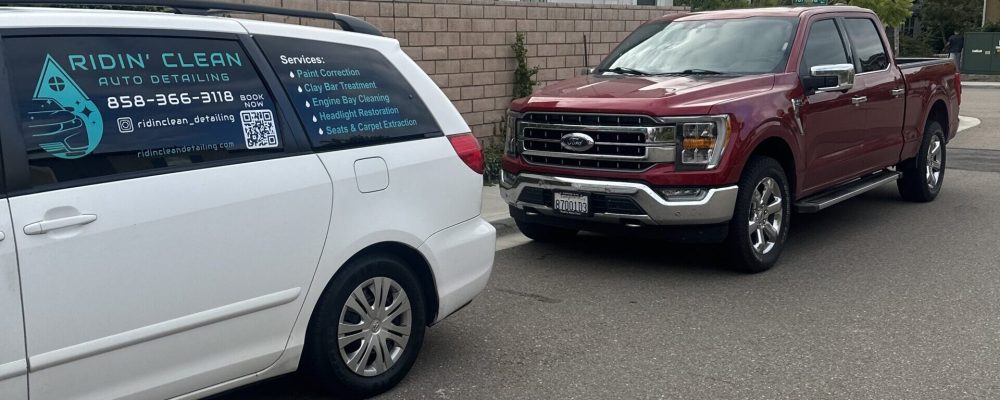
(824, 46)
(867, 44)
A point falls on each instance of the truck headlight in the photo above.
(701, 142)
(510, 134)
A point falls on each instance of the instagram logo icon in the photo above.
(125, 125)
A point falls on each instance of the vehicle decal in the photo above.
(56, 92)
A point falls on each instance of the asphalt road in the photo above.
(874, 298)
(982, 104)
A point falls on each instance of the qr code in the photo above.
(259, 129)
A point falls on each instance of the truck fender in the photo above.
(938, 95)
(777, 140)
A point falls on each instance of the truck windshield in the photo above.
(754, 45)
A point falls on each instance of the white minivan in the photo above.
(194, 203)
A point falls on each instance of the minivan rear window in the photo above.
(347, 96)
(92, 106)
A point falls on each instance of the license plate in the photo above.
(571, 203)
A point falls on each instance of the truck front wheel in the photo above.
(759, 226)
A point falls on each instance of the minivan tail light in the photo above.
(468, 149)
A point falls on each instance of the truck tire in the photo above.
(544, 233)
(355, 347)
(760, 221)
(924, 174)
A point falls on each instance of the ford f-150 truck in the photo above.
(717, 126)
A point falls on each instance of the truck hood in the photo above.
(650, 95)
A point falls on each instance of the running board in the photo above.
(846, 191)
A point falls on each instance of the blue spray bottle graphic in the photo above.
(64, 118)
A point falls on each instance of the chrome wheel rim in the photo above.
(766, 215)
(934, 165)
(374, 326)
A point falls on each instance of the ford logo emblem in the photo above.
(577, 141)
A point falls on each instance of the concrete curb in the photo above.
(981, 85)
(495, 211)
(505, 226)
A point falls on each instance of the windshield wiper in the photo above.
(693, 71)
(699, 71)
(624, 70)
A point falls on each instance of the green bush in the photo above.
(524, 77)
(493, 154)
(914, 46)
(991, 27)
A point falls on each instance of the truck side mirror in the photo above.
(830, 78)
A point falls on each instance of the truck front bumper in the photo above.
(627, 203)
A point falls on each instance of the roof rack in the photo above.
(200, 7)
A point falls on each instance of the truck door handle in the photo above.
(898, 92)
(45, 226)
(859, 100)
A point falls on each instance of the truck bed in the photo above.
(927, 79)
(914, 62)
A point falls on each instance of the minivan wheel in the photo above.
(544, 233)
(924, 174)
(759, 226)
(367, 327)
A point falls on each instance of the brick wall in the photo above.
(464, 45)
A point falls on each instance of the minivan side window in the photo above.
(867, 44)
(347, 96)
(824, 46)
(92, 106)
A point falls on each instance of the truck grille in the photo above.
(618, 142)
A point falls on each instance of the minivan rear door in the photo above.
(13, 364)
(167, 229)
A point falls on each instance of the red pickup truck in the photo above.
(717, 126)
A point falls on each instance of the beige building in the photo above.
(991, 13)
(464, 45)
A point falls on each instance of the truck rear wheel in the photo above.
(759, 226)
(924, 174)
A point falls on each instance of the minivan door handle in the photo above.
(898, 92)
(45, 226)
(859, 100)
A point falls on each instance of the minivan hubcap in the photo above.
(766, 214)
(374, 326)
(933, 173)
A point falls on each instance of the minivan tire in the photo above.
(917, 183)
(767, 173)
(322, 357)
